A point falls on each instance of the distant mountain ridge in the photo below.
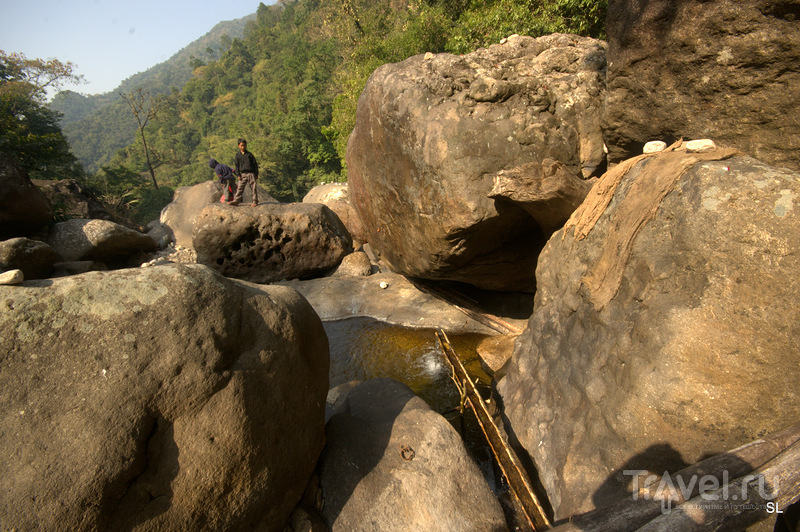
(98, 125)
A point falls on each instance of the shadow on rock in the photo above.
(358, 438)
(392, 463)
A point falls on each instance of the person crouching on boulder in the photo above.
(226, 179)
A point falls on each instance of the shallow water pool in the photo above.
(364, 348)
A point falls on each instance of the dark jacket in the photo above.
(246, 162)
(223, 171)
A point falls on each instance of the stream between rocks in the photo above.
(365, 348)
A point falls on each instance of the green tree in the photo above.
(488, 21)
(29, 131)
(126, 194)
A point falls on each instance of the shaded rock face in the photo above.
(179, 216)
(70, 198)
(24, 209)
(392, 463)
(547, 191)
(336, 196)
(97, 240)
(433, 133)
(664, 330)
(704, 69)
(34, 258)
(166, 398)
(270, 242)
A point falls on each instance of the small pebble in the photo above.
(12, 277)
(384, 284)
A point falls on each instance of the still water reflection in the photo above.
(364, 348)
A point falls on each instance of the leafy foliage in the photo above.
(390, 34)
(29, 131)
(124, 193)
(501, 18)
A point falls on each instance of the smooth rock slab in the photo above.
(386, 297)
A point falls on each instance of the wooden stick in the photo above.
(520, 486)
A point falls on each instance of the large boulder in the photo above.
(392, 463)
(699, 68)
(164, 398)
(270, 242)
(433, 134)
(24, 209)
(336, 196)
(179, 216)
(97, 240)
(664, 326)
(33, 257)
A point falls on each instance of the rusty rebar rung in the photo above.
(517, 481)
(462, 392)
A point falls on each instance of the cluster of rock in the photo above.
(653, 340)
(35, 246)
(165, 423)
(662, 328)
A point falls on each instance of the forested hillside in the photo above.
(98, 125)
(291, 83)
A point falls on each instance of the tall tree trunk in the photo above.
(147, 157)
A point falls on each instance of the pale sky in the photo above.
(111, 40)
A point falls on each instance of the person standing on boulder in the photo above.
(226, 179)
(246, 169)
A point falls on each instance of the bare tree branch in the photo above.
(143, 108)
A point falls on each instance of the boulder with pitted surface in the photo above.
(664, 327)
